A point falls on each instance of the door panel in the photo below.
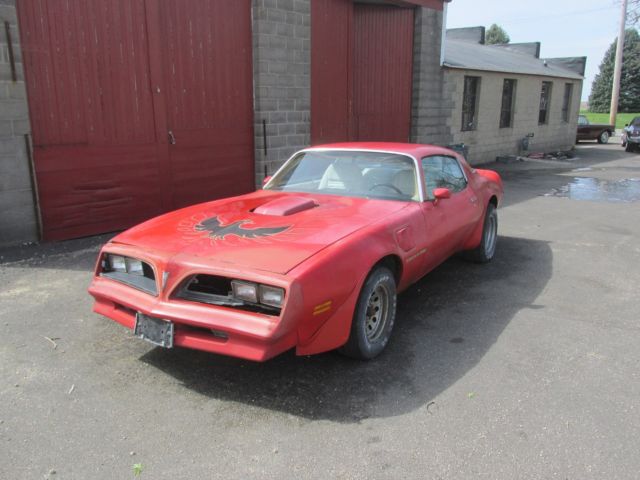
(91, 111)
(208, 80)
(105, 82)
(382, 72)
(361, 71)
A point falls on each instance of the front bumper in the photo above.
(251, 336)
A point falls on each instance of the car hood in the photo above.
(265, 230)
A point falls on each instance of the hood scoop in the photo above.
(284, 206)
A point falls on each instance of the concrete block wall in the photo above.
(282, 84)
(432, 100)
(17, 213)
(489, 140)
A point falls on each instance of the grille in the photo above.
(214, 290)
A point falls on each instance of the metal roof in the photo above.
(475, 56)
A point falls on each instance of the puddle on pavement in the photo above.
(596, 190)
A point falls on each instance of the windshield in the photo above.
(635, 122)
(388, 176)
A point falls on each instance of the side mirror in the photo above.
(441, 193)
(266, 180)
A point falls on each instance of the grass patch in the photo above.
(621, 119)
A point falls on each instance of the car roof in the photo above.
(414, 149)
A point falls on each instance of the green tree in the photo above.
(496, 34)
(600, 98)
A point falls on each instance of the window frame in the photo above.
(545, 95)
(567, 101)
(428, 196)
(512, 104)
(473, 124)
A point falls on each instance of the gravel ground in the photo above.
(523, 368)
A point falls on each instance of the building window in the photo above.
(545, 101)
(566, 103)
(470, 103)
(508, 103)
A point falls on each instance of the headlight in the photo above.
(117, 263)
(245, 291)
(272, 296)
(255, 293)
(134, 266)
(121, 264)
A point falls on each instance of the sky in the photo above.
(566, 28)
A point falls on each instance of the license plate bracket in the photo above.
(154, 330)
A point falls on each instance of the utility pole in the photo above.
(617, 71)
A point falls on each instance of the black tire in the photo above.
(604, 137)
(369, 337)
(628, 147)
(484, 252)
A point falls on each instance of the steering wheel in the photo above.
(388, 185)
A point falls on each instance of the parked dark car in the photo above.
(593, 131)
(631, 136)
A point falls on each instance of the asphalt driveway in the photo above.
(523, 368)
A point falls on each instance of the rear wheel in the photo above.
(604, 137)
(484, 252)
(374, 316)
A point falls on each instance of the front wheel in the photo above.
(374, 316)
(484, 252)
(628, 147)
(604, 137)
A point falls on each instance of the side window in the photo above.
(470, 99)
(443, 172)
(545, 100)
(566, 102)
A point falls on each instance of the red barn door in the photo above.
(382, 72)
(108, 81)
(361, 71)
(207, 75)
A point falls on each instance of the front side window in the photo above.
(545, 100)
(386, 176)
(508, 103)
(470, 103)
(566, 103)
(443, 172)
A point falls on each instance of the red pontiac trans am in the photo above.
(313, 261)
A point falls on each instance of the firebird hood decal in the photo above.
(228, 232)
(219, 231)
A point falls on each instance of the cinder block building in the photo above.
(114, 112)
(506, 99)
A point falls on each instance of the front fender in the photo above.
(331, 282)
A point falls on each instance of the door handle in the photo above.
(172, 138)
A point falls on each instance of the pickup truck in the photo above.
(593, 131)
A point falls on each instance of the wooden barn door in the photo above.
(382, 72)
(91, 110)
(112, 84)
(361, 71)
(206, 47)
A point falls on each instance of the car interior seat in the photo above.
(405, 181)
(342, 175)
